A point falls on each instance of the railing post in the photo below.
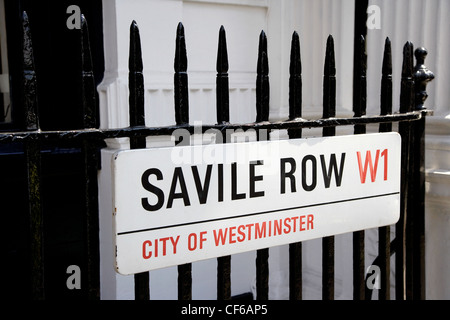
(262, 114)
(262, 81)
(32, 150)
(90, 159)
(137, 118)
(29, 79)
(384, 233)
(181, 78)
(222, 87)
(402, 261)
(329, 111)
(421, 78)
(88, 101)
(223, 116)
(181, 118)
(359, 109)
(295, 111)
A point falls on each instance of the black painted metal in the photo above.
(137, 119)
(222, 88)
(422, 76)
(136, 78)
(223, 116)
(181, 118)
(329, 111)
(181, 78)
(30, 104)
(91, 159)
(33, 160)
(87, 82)
(406, 105)
(262, 114)
(409, 242)
(386, 86)
(101, 134)
(295, 111)
(384, 233)
(32, 150)
(262, 81)
(295, 79)
(359, 109)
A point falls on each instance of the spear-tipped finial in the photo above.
(407, 81)
(222, 86)
(29, 78)
(136, 78)
(295, 79)
(262, 81)
(181, 78)
(180, 63)
(87, 78)
(329, 80)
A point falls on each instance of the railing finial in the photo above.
(407, 82)
(295, 79)
(136, 78)
(222, 85)
(181, 78)
(422, 75)
(262, 81)
(29, 81)
(88, 98)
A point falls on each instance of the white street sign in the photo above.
(177, 205)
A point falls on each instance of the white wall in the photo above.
(422, 22)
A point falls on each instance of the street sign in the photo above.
(182, 204)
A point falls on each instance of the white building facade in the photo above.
(422, 22)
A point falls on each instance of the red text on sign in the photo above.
(258, 230)
(372, 166)
(159, 247)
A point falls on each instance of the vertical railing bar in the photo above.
(222, 83)
(33, 165)
(295, 111)
(360, 87)
(384, 233)
(421, 78)
(181, 78)
(360, 32)
(181, 97)
(29, 78)
(262, 81)
(329, 111)
(223, 116)
(418, 211)
(136, 85)
(411, 201)
(386, 86)
(406, 101)
(33, 161)
(137, 118)
(262, 114)
(359, 109)
(88, 101)
(90, 158)
(295, 79)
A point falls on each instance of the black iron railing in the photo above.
(408, 245)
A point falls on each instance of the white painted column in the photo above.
(424, 23)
